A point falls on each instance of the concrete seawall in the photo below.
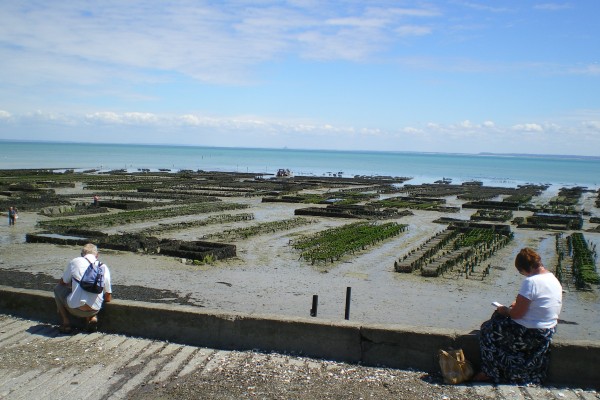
(573, 363)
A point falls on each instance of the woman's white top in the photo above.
(545, 293)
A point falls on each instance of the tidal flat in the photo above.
(268, 275)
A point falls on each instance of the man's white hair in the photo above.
(89, 249)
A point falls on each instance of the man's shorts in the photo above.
(60, 295)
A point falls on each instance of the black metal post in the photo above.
(313, 310)
(348, 293)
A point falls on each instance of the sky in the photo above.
(514, 76)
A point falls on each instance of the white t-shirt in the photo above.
(79, 297)
(545, 293)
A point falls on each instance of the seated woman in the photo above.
(515, 342)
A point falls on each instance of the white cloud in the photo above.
(189, 119)
(324, 46)
(411, 130)
(414, 12)
(4, 114)
(44, 117)
(211, 42)
(413, 30)
(552, 6)
(593, 125)
(356, 22)
(528, 127)
(590, 69)
(372, 132)
(467, 65)
(104, 117)
(127, 118)
(551, 127)
(140, 118)
(577, 137)
(483, 7)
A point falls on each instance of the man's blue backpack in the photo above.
(93, 278)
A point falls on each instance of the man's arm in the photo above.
(107, 285)
(67, 275)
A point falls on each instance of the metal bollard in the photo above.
(313, 310)
(347, 313)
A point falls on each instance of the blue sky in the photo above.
(443, 76)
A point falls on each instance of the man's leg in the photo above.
(60, 296)
(90, 317)
(92, 324)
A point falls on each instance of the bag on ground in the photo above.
(455, 367)
(93, 278)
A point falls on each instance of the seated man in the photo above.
(72, 299)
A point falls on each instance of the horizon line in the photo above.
(285, 148)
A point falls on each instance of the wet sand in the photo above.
(267, 276)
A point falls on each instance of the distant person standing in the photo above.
(12, 216)
(96, 200)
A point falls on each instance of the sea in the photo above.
(491, 169)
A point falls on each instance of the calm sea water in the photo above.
(422, 167)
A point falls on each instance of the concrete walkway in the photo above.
(38, 362)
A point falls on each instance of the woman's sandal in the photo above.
(481, 377)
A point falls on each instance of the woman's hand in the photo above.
(503, 310)
(520, 307)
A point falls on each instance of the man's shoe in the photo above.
(65, 329)
(92, 325)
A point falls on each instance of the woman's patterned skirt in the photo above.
(512, 353)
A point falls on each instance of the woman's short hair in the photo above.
(89, 249)
(527, 259)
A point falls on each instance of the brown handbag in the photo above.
(455, 367)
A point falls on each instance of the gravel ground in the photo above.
(34, 356)
(270, 379)
(222, 375)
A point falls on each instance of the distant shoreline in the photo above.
(490, 169)
(479, 154)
